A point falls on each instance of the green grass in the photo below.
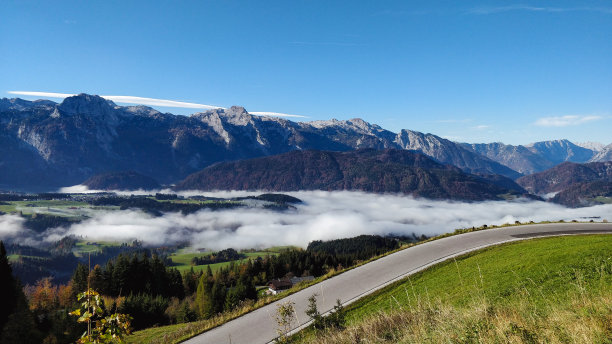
(8, 208)
(544, 266)
(30, 207)
(83, 247)
(15, 257)
(182, 259)
(602, 199)
(530, 284)
(180, 332)
(152, 334)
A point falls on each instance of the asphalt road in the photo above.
(259, 326)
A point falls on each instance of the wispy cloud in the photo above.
(125, 100)
(498, 9)
(481, 127)
(565, 121)
(41, 94)
(147, 101)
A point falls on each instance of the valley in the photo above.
(226, 172)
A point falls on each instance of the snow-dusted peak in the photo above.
(551, 144)
(604, 155)
(236, 115)
(594, 146)
(415, 140)
(19, 104)
(324, 124)
(141, 110)
(355, 124)
(558, 151)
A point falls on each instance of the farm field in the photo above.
(182, 258)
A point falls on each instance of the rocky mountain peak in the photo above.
(594, 146)
(356, 124)
(236, 111)
(238, 115)
(558, 151)
(604, 155)
(141, 110)
(22, 104)
(86, 104)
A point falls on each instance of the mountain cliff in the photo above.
(559, 151)
(540, 156)
(605, 154)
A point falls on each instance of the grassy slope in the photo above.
(83, 247)
(182, 259)
(554, 289)
(187, 330)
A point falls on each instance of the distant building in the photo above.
(281, 284)
(278, 285)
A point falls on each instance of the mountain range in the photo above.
(45, 145)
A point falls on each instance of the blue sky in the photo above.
(471, 71)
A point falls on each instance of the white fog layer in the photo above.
(322, 216)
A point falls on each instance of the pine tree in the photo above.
(79, 279)
(218, 297)
(204, 300)
(7, 298)
(16, 321)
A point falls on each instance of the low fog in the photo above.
(322, 216)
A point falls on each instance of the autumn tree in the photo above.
(100, 328)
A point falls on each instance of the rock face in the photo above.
(605, 154)
(564, 176)
(389, 170)
(594, 146)
(540, 156)
(44, 145)
(127, 180)
(559, 151)
(519, 158)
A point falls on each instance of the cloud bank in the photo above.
(148, 101)
(323, 216)
(565, 121)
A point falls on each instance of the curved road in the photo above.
(259, 326)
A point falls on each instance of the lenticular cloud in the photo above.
(322, 216)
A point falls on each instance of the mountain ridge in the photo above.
(44, 144)
(47, 144)
(370, 170)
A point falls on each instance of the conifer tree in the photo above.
(7, 299)
(16, 321)
(204, 297)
